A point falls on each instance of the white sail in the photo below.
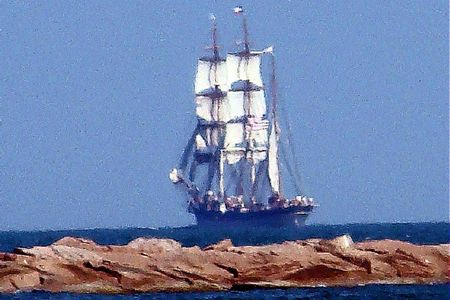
(244, 68)
(273, 169)
(212, 137)
(234, 136)
(256, 130)
(203, 108)
(259, 139)
(256, 156)
(219, 109)
(233, 145)
(257, 105)
(209, 141)
(209, 74)
(232, 107)
(233, 157)
(200, 142)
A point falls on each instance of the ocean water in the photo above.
(419, 233)
(383, 292)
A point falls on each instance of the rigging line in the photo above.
(238, 189)
(262, 166)
(211, 171)
(221, 175)
(289, 138)
(230, 175)
(187, 150)
(233, 175)
(220, 172)
(240, 185)
(192, 169)
(289, 169)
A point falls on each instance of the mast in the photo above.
(210, 90)
(246, 136)
(249, 144)
(215, 47)
(245, 54)
(221, 175)
(245, 30)
(216, 102)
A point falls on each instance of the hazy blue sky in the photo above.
(96, 106)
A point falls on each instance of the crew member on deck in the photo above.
(212, 203)
(273, 199)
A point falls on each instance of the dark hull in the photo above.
(280, 217)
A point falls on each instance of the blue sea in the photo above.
(419, 233)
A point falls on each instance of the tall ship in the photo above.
(230, 167)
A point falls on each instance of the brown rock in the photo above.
(8, 257)
(145, 265)
(155, 245)
(222, 246)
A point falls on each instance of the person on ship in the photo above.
(212, 202)
(194, 200)
(228, 203)
(273, 199)
(276, 201)
(234, 203)
(240, 201)
(254, 205)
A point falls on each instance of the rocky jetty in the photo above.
(147, 265)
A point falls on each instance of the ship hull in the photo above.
(281, 217)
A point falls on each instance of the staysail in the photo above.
(273, 163)
(273, 169)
